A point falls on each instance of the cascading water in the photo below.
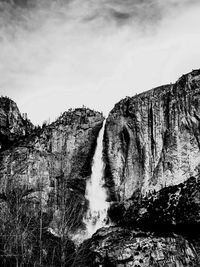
(96, 216)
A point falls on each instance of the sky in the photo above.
(56, 55)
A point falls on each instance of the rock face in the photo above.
(121, 247)
(151, 152)
(43, 174)
(152, 139)
(63, 147)
(53, 159)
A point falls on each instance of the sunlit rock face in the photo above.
(152, 139)
(119, 247)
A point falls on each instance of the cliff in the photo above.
(43, 174)
(152, 139)
(151, 152)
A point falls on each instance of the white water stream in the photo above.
(96, 216)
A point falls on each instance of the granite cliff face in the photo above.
(56, 155)
(152, 139)
(151, 151)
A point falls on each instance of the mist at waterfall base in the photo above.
(60, 54)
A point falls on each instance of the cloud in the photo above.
(141, 11)
(61, 54)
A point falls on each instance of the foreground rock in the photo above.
(122, 247)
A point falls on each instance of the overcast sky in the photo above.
(60, 54)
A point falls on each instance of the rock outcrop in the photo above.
(122, 247)
(12, 125)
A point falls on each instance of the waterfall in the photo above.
(96, 216)
(96, 195)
